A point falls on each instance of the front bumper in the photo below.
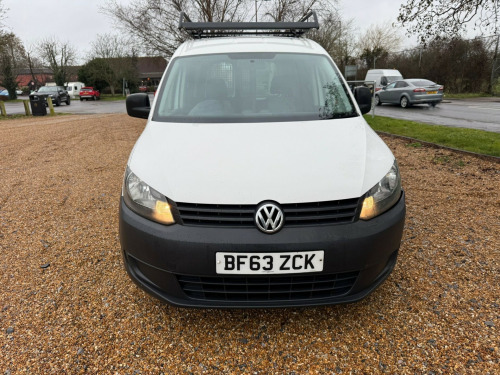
(426, 98)
(177, 263)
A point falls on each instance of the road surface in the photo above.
(480, 113)
(76, 107)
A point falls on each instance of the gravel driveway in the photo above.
(67, 305)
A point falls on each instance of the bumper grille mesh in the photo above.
(267, 288)
(300, 214)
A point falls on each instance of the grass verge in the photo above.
(478, 141)
(18, 100)
(12, 117)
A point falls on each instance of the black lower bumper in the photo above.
(177, 263)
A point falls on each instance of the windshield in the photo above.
(423, 82)
(393, 78)
(47, 89)
(252, 87)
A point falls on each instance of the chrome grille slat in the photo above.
(217, 210)
(216, 218)
(319, 217)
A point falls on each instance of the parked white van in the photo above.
(256, 181)
(382, 77)
(74, 88)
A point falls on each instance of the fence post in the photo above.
(51, 106)
(3, 112)
(373, 99)
(27, 107)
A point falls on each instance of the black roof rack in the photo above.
(200, 30)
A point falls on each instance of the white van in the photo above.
(382, 77)
(74, 88)
(256, 181)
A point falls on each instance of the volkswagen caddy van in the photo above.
(256, 181)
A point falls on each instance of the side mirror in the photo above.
(138, 105)
(383, 81)
(363, 97)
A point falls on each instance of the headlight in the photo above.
(144, 200)
(382, 196)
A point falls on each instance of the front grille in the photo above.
(330, 212)
(216, 214)
(296, 214)
(267, 288)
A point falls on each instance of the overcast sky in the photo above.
(79, 21)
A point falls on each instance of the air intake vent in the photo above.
(267, 288)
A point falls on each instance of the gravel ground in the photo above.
(67, 305)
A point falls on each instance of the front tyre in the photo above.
(68, 101)
(377, 100)
(404, 102)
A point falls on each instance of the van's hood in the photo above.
(248, 163)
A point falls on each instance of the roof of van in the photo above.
(248, 44)
(383, 71)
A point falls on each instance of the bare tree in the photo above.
(381, 36)
(329, 33)
(155, 22)
(337, 37)
(293, 10)
(109, 46)
(58, 56)
(431, 18)
(3, 11)
(377, 42)
(495, 67)
(119, 59)
(33, 63)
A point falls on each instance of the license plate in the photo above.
(269, 263)
(432, 92)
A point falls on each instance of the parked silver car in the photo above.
(407, 92)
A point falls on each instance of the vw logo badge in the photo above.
(269, 218)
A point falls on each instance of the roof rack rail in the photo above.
(200, 30)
